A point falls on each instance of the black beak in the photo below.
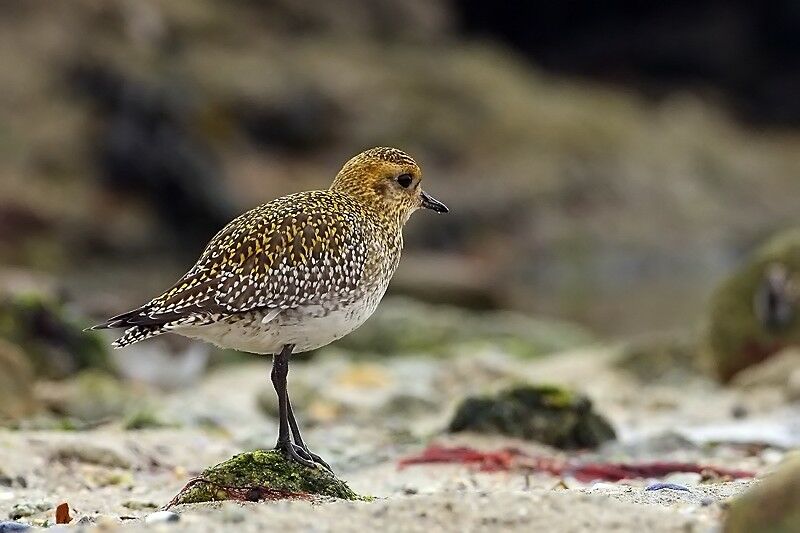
(429, 202)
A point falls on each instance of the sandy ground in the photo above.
(371, 414)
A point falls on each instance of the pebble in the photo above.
(22, 510)
(8, 527)
(671, 486)
(162, 517)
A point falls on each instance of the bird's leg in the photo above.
(280, 369)
(297, 450)
(298, 439)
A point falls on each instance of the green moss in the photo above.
(772, 506)
(50, 336)
(263, 474)
(544, 413)
(736, 337)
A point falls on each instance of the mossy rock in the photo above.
(90, 397)
(773, 506)
(260, 475)
(16, 383)
(738, 335)
(402, 325)
(543, 413)
(50, 336)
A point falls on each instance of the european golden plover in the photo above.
(294, 274)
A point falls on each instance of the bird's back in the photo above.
(319, 250)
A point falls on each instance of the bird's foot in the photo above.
(301, 455)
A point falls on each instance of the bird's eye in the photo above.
(405, 180)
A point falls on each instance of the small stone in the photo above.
(669, 486)
(136, 505)
(162, 517)
(8, 527)
(25, 509)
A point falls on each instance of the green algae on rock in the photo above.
(262, 475)
(547, 414)
(750, 319)
(771, 506)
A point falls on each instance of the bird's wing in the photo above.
(294, 251)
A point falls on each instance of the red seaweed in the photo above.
(508, 459)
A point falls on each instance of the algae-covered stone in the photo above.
(402, 325)
(773, 506)
(50, 336)
(16, 383)
(756, 312)
(259, 475)
(547, 414)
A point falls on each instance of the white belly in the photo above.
(307, 328)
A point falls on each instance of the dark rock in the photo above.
(16, 383)
(261, 475)
(752, 316)
(51, 336)
(149, 146)
(773, 505)
(546, 414)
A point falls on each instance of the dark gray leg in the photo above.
(298, 439)
(297, 450)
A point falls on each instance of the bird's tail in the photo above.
(136, 334)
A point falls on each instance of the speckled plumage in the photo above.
(304, 269)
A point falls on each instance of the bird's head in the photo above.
(387, 180)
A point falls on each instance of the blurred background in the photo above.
(607, 165)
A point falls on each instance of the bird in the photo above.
(294, 274)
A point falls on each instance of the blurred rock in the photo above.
(16, 383)
(262, 475)
(781, 371)
(756, 312)
(403, 325)
(51, 336)
(27, 509)
(147, 147)
(670, 359)
(547, 414)
(771, 506)
(88, 453)
(90, 397)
